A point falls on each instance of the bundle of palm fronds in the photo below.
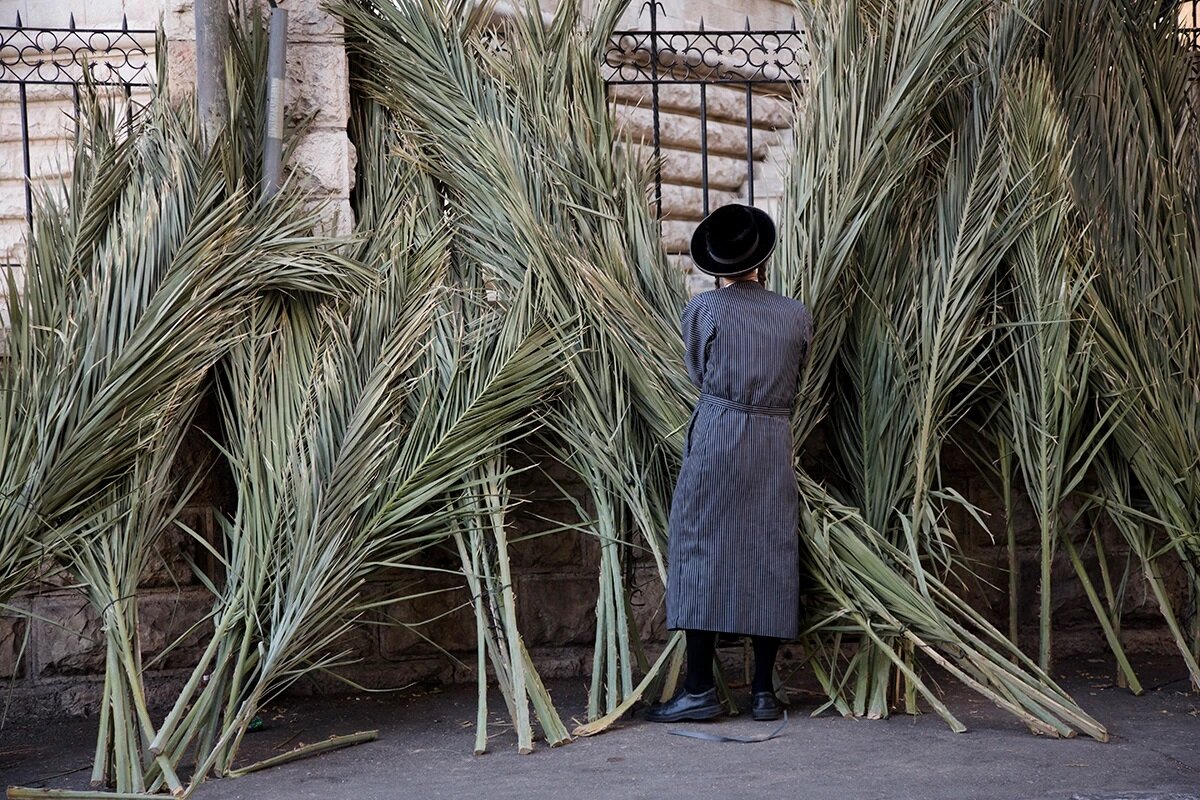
(524, 155)
(954, 218)
(140, 274)
(1123, 79)
(523, 147)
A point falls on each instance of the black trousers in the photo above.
(702, 648)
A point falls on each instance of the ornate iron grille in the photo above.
(35, 56)
(751, 59)
(1188, 19)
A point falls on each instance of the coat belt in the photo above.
(771, 411)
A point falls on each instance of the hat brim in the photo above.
(704, 261)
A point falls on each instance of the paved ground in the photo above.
(425, 742)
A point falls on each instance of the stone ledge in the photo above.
(723, 103)
(682, 131)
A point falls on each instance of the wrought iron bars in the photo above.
(750, 59)
(34, 56)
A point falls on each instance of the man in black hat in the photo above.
(733, 546)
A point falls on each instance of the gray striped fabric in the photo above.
(733, 547)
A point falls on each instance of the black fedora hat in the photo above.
(733, 239)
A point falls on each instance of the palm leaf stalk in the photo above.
(1122, 71)
(1045, 380)
(480, 534)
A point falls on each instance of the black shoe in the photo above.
(685, 706)
(765, 706)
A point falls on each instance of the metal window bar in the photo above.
(1187, 19)
(754, 60)
(40, 56)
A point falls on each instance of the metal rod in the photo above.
(276, 83)
(749, 143)
(704, 145)
(658, 208)
(128, 105)
(24, 102)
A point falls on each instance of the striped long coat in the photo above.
(733, 548)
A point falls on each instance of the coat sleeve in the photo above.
(698, 331)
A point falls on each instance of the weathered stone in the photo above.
(45, 120)
(699, 282)
(723, 103)
(165, 617)
(687, 202)
(179, 19)
(168, 566)
(317, 87)
(557, 609)
(13, 645)
(648, 599)
(323, 162)
(676, 236)
(683, 131)
(72, 641)
(687, 168)
(431, 614)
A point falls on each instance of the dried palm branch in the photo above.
(903, 103)
(535, 190)
(1045, 375)
(524, 156)
(1122, 77)
(138, 281)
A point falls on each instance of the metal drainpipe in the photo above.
(276, 83)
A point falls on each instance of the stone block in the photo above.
(682, 131)
(105, 13)
(72, 642)
(181, 68)
(165, 617)
(721, 103)
(687, 202)
(12, 249)
(359, 642)
(68, 640)
(557, 609)
(308, 21)
(45, 119)
(676, 236)
(649, 601)
(318, 86)
(685, 167)
(168, 565)
(14, 636)
(429, 615)
(698, 282)
(143, 13)
(562, 662)
(179, 19)
(323, 162)
(535, 544)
